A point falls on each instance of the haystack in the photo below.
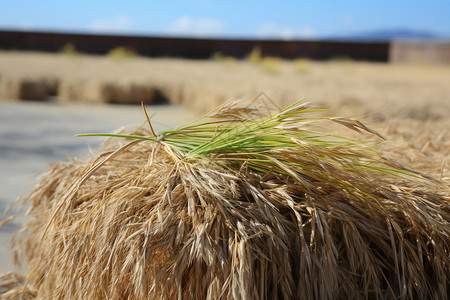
(111, 91)
(25, 88)
(237, 205)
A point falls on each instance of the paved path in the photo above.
(34, 134)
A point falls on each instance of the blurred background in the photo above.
(78, 67)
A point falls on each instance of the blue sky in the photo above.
(248, 18)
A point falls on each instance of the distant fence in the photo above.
(420, 52)
(202, 48)
(196, 48)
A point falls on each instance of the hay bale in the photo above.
(128, 93)
(173, 92)
(52, 85)
(106, 91)
(23, 88)
(254, 208)
(71, 90)
(86, 90)
(206, 99)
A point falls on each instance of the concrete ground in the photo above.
(33, 135)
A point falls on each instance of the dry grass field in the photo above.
(409, 104)
(406, 91)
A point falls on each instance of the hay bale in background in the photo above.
(107, 91)
(129, 93)
(209, 97)
(23, 88)
(52, 85)
(253, 207)
(72, 90)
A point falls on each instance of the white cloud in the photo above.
(199, 27)
(26, 26)
(307, 32)
(273, 30)
(119, 23)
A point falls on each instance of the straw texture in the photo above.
(238, 206)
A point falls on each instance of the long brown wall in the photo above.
(193, 47)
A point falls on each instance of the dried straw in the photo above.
(26, 88)
(241, 206)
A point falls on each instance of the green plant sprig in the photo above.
(282, 142)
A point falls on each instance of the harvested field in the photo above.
(347, 87)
